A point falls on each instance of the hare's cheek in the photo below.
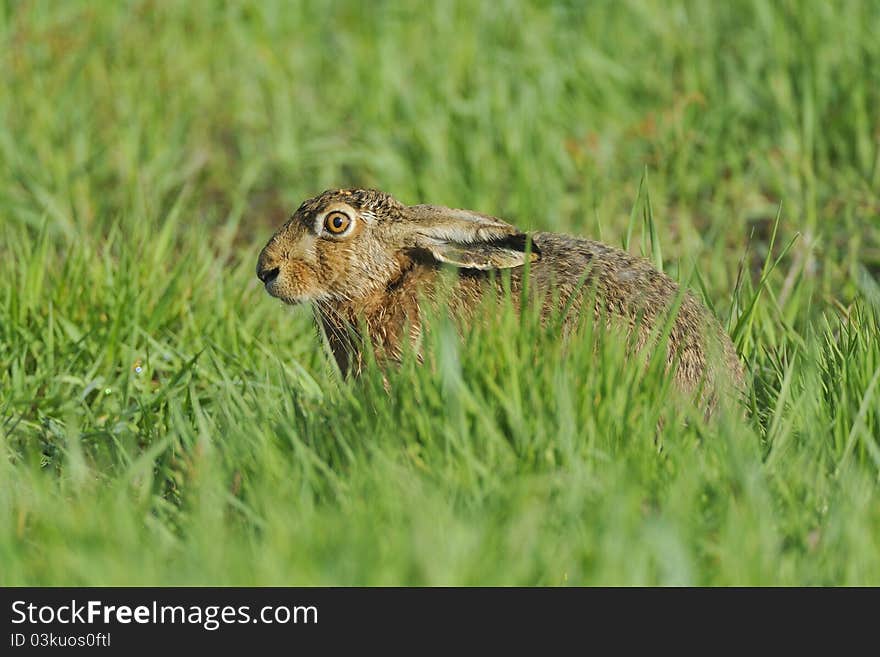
(303, 279)
(295, 283)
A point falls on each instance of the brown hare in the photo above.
(366, 260)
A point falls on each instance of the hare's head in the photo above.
(346, 244)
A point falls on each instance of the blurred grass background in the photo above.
(163, 421)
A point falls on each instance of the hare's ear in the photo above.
(468, 239)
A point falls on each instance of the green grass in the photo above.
(163, 421)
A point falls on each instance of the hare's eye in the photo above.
(337, 222)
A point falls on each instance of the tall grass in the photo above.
(163, 421)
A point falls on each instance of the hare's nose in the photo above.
(267, 265)
(268, 274)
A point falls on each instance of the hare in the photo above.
(366, 260)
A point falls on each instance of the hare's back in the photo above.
(632, 289)
(573, 262)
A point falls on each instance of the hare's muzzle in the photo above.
(267, 267)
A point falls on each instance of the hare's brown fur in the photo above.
(391, 256)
